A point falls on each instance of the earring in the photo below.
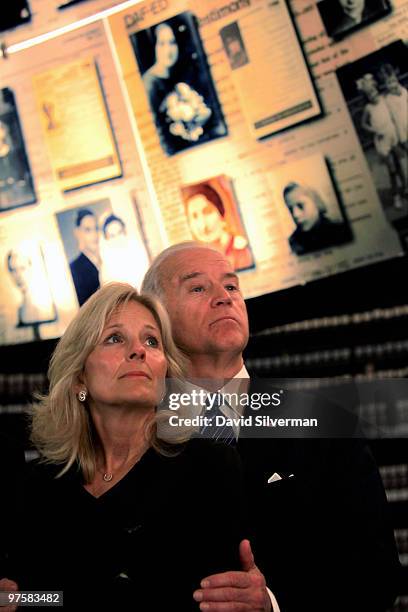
(82, 395)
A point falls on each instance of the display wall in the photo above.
(263, 127)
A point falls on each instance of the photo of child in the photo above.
(375, 90)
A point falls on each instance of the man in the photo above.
(319, 508)
(85, 267)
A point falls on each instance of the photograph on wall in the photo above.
(30, 293)
(341, 17)
(375, 88)
(76, 125)
(213, 217)
(269, 70)
(13, 14)
(234, 46)
(178, 83)
(99, 248)
(16, 183)
(309, 208)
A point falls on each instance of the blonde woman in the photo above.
(111, 519)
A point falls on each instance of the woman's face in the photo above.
(204, 219)
(128, 366)
(166, 47)
(20, 269)
(352, 8)
(302, 208)
(114, 229)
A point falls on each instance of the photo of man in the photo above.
(178, 83)
(234, 46)
(340, 17)
(80, 232)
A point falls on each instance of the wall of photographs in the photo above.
(274, 130)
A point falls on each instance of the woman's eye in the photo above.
(152, 341)
(113, 339)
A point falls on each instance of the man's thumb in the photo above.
(246, 556)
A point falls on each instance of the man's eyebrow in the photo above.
(231, 275)
(189, 276)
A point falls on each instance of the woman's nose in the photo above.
(138, 352)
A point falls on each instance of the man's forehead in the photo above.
(191, 263)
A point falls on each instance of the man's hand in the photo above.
(8, 585)
(243, 591)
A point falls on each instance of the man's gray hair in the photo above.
(153, 282)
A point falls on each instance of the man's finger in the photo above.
(246, 556)
(222, 594)
(227, 579)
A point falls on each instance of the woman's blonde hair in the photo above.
(62, 428)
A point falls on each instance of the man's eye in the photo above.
(197, 289)
(114, 339)
(152, 341)
(231, 287)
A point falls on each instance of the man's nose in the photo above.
(221, 296)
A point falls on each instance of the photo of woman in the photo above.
(213, 217)
(178, 83)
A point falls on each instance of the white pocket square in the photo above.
(275, 477)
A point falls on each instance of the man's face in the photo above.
(87, 235)
(205, 305)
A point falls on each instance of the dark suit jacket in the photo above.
(322, 536)
(12, 468)
(85, 276)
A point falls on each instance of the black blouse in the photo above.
(143, 545)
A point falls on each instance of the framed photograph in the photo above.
(375, 90)
(100, 248)
(13, 14)
(213, 217)
(311, 213)
(269, 69)
(26, 269)
(76, 124)
(178, 83)
(16, 183)
(341, 17)
(234, 46)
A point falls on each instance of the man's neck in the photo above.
(93, 257)
(215, 367)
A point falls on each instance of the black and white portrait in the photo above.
(178, 83)
(234, 46)
(26, 269)
(311, 213)
(16, 184)
(375, 89)
(341, 17)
